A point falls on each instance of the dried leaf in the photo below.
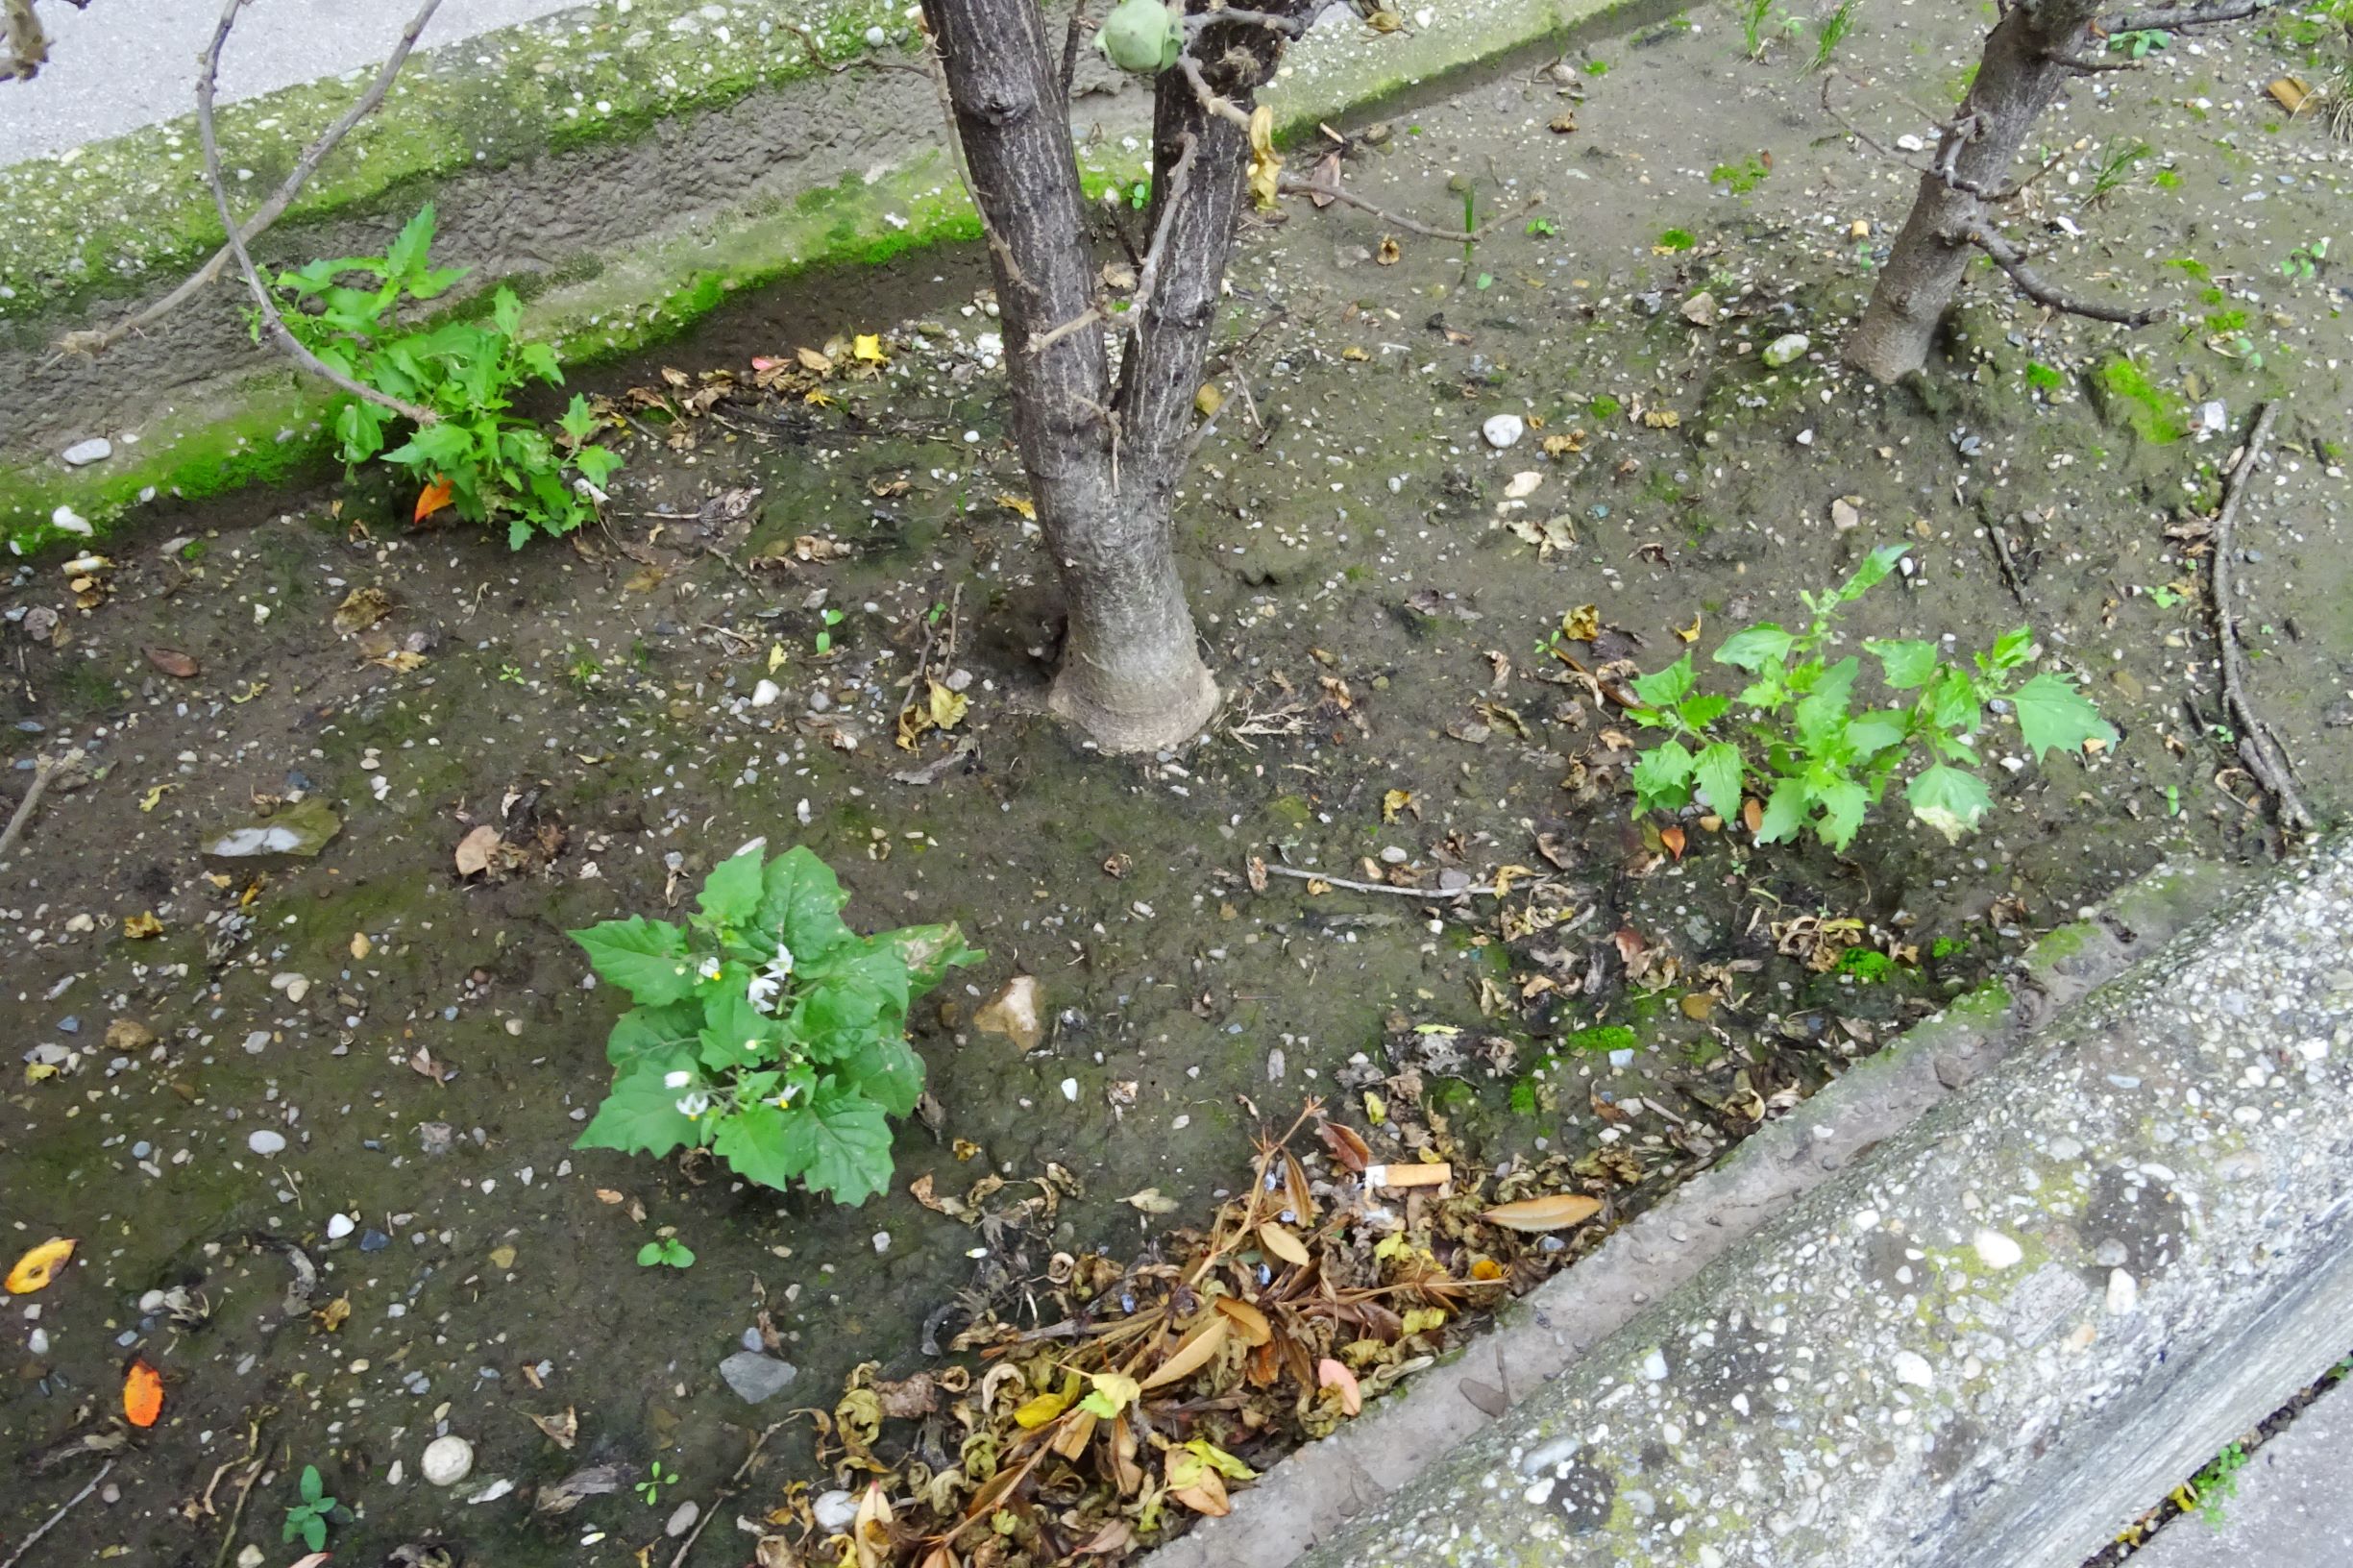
(38, 1267)
(1387, 254)
(476, 851)
(1280, 1243)
(334, 1315)
(1532, 1216)
(947, 708)
(141, 926)
(142, 1394)
(1150, 1201)
(361, 609)
(1194, 1352)
(173, 663)
(559, 1429)
(1250, 1325)
(1393, 802)
(1351, 1151)
(1674, 839)
(1582, 623)
(432, 499)
(1266, 163)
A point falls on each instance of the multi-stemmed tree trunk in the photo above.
(1105, 457)
(2031, 54)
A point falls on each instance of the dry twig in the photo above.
(1433, 895)
(2257, 749)
(1334, 193)
(63, 1509)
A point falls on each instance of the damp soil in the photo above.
(1377, 625)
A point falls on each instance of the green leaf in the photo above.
(406, 257)
(645, 957)
(887, 1070)
(1843, 804)
(1718, 771)
(849, 1144)
(2053, 714)
(1756, 646)
(1818, 716)
(801, 903)
(579, 421)
(1664, 688)
(929, 952)
(314, 1534)
(1949, 801)
(760, 1145)
(736, 1034)
(1701, 711)
(1874, 732)
(310, 1486)
(2011, 650)
(1906, 663)
(1876, 566)
(650, 1255)
(1785, 811)
(731, 893)
(1660, 778)
(641, 1113)
(506, 310)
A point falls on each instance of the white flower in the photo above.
(782, 964)
(690, 1106)
(708, 969)
(678, 1080)
(762, 992)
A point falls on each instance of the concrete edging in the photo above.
(625, 165)
(1319, 1489)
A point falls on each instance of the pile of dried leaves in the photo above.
(1150, 1388)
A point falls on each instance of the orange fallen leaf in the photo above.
(1752, 813)
(1673, 837)
(142, 1392)
(36, 1268)
(1556, 1212)
(1331, 1374)
(433, 497)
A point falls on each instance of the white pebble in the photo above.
(447, 1461)
(339, 1226)
(266, 1141)
(1911, 1368)
(1503, 431)
(1997, 1251)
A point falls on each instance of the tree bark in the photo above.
(1104, 465)
(2026, 61)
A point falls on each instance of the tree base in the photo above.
(1164, 715)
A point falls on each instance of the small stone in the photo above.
(1655, 1366)
(1912, 1369)
(1844, 515)
(37, 1341)
(81, 453)
(1701, 309)
(835, 1511)
(1787, 349)
(251, 1557)
(1393, 855)
(339, 1226)
(756, 1377)
(374, 1241)
(266, 1141)
(1997, 1251)
(882, 1243)
(1069, 1090)
(303, 829)
(682, 1519)
(1503, 431)
(766, 694)
(69, 521)
(446, 1461)
(2123, 1293)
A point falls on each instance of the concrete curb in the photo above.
(1319, 1489)
(1999, 1335)
(626, 166)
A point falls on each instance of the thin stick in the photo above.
(237, 1515)
(1313, 187)
(43, 768)
(63, 1509)
(2256, 748)
(269, 212)
(724, 1492)
(1434, 894)
(2009, 568)
(2174, 20)
(284, 337)
(1180, 175)
(1070, 38)
(2012, 260)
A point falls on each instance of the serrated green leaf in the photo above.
(1949, 801)
(1905, 663)
(1874, 566)
(760, 1145)
(1821, 713)
(2011, 650)
(1717, 767)
(2054, 715)
(848, 1142)
(1662, 776)
(1843, 805)
(1756, 646)
(411, 247)
(731, 893)
(1703, 710)
(641, 1113)
(645, 957)
(1787, 809)
(801, 904)
(653, 1031)
(1870, 733)
(736, 1035)
(928, 952)
(1664, 688)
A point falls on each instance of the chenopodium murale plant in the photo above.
(1800, 749)
(765, 1030)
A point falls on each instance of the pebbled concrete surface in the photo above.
(106, 77)
(2049, 1298)
(2294, 1507)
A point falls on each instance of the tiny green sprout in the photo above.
(2165, 597)
(1486, 281)
(1677, 239)
(307, 1518)
(2043, 378)
(2140, 42)
(1597, 67)
(656, 1478)
(664, 1251)
(2172, 799)
(511, 674)
(1543, 228)
(2304, 262)
(824, 637)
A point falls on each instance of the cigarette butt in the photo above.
(1437, 1175)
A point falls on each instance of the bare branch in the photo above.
(2255, 746)
(1054, 335)
(206, 82)
(1223, 108)
(2012, 260)
(1070, 47)
(1147, 277)
(1290, 26)
(1334, 193)
(2086, 65)
(2177, 19)
(271, 210)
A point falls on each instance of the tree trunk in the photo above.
(2024, 66)
(1104, 466)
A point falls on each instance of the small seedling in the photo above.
(2043, 377)
(2305, 261)
(1740, 178)
(2140, 42)
(656, 1478)
(511, 674)
(1834, 32)
(2119, 165)
(824, 636)
(664, 1251)
(307, 1518)
(1676, 240)
(1764, 23)
(1543, 228)
(2211, 1489)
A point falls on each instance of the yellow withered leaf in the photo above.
(1279, 1242)
(37, 1268)
(1555, 1213)
(1194, 1352)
